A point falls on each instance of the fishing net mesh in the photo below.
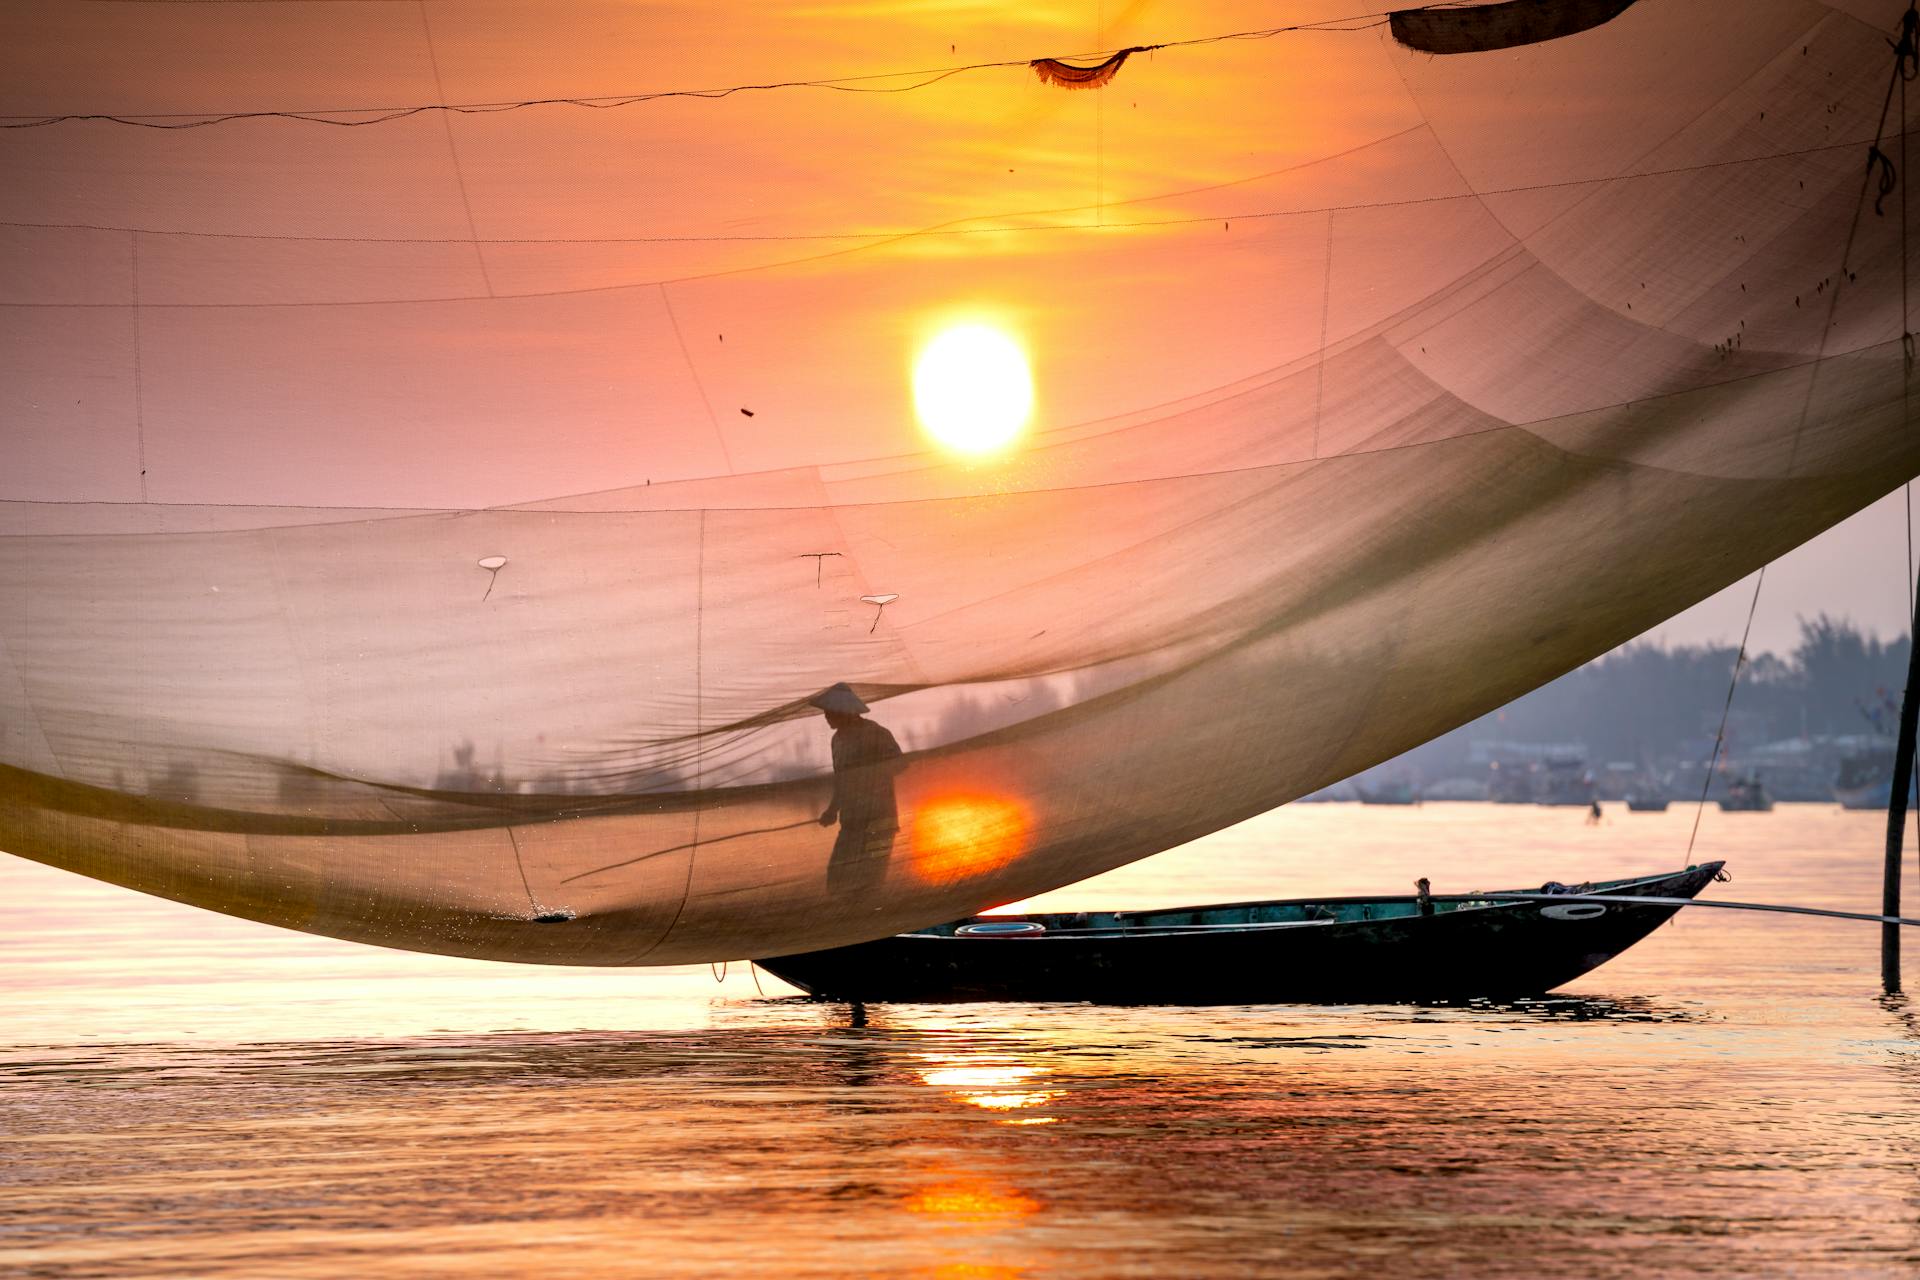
(1495, 361)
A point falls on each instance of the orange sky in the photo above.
(464, 402)
(316, 324)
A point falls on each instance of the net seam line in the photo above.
(726, 454)
(1852, 18)
(1480, 198)
(1206, 654)
(1196, 401)
(298, 653)
(1320, 362)
(1784, 55)
(414, 513)
(857, 567)
(591, 290)
(877, 241)
(699, 728)
(1846, 256)
(1705, 112)
(32, 708)
(1249, 384)
(453, 153)
(942, 228)
(139, 385)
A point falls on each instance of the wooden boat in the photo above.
(1315, 950)
(1866, 781)
(1747, 795)
(1647, 792)
(1388, 793)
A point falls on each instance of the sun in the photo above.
(958, 836)
(972, 389)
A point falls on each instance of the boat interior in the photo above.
(1304, 911)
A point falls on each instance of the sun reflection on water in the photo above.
(968, 1198)
(994, 1087)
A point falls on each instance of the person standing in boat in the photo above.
(865, 761)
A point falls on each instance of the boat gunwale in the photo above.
(1458, 903)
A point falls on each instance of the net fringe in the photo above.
(1068, 76)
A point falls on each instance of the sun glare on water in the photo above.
(972, 389)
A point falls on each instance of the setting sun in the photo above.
(972, 389)
(958, 836)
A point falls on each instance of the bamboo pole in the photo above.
(1904, 52)
(1897, 808)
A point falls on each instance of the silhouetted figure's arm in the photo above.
(832, 814)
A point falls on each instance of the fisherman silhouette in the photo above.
(865, 760)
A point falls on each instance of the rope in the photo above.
(1720, 735)
(655, 853)
(1628, 900)
(839, 84)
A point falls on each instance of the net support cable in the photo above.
(1720, 735)
(1565, 899)
(1069, 73)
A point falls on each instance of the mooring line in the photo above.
(1492, 900)
(1631, 899)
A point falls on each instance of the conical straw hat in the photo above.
(840, 698)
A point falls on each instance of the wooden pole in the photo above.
(1897, 808)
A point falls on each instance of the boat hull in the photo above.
(1874, 795)
(1496, 951)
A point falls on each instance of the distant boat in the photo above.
(1866, 780)
(1301, 950)
(1554, 780)
(1388, 793)
(1565, 781)
(1644, 789)
(1453, 789)
(1512, 784)
(1747, 795)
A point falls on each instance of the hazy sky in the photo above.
(1852, 570)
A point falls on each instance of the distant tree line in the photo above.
(1650, 703)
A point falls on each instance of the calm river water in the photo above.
(184, 1094)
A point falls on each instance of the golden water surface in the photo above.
(184, 1094)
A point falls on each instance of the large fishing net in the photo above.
(1375, 386)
